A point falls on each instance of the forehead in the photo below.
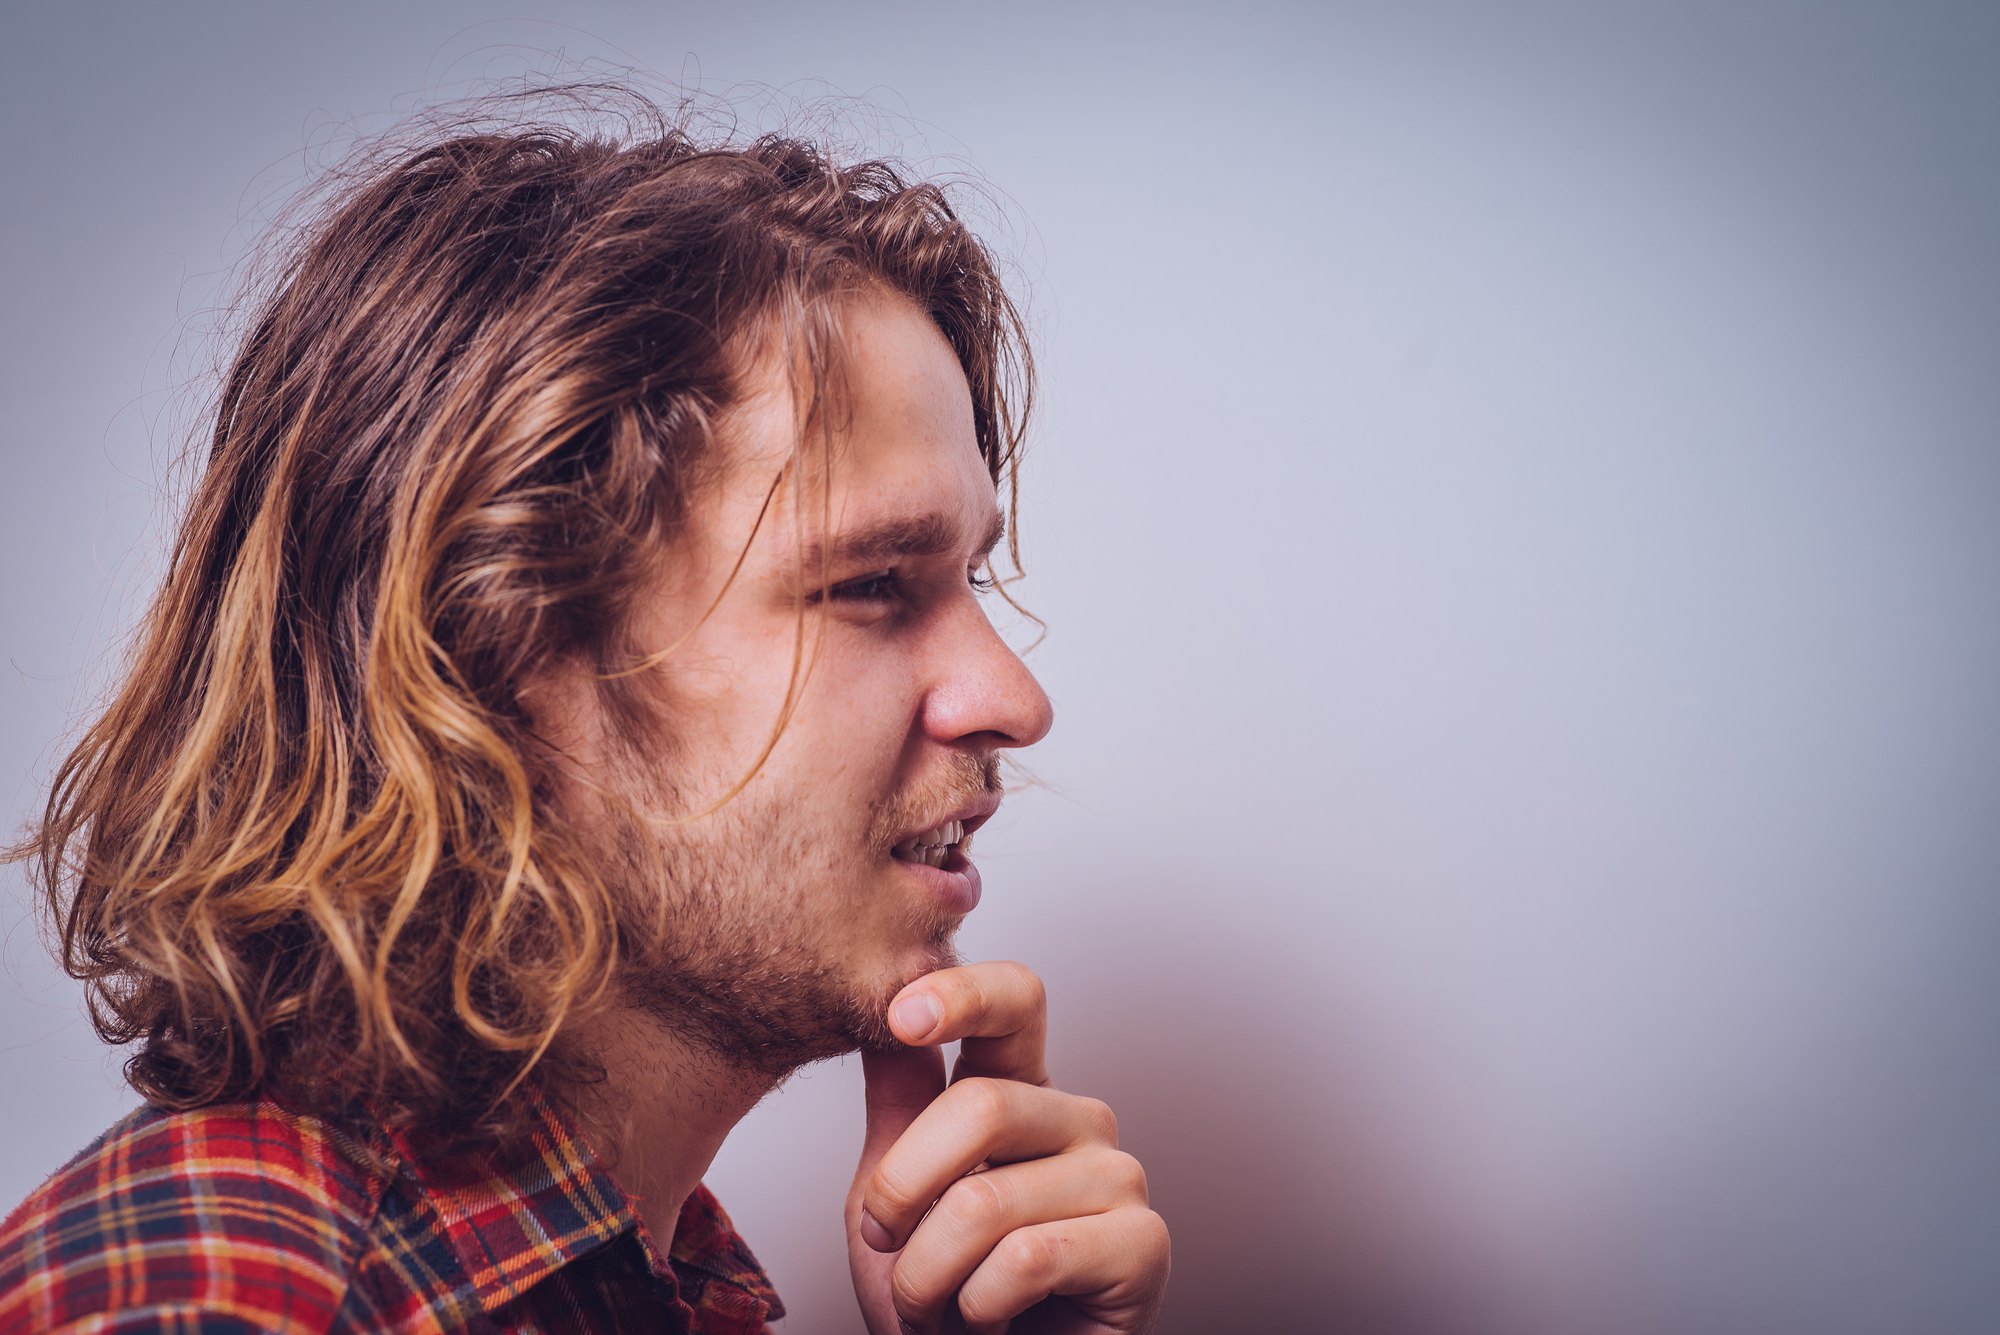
(906, 477)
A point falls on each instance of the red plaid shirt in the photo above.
(250, 1217)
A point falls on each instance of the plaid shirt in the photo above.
(250, 1217)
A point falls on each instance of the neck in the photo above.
(662, 1111)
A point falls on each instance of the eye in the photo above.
(980, 582)
(880, 587)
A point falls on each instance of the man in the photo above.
(567, 713)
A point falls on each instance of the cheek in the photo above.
(724, 694)
(866, 708)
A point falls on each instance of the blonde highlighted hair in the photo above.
(307, 847)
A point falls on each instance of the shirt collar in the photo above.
(514, 1218)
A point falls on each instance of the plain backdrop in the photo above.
(1516, 519)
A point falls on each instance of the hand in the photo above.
(1035, 1216)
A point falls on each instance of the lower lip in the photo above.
(955, 886)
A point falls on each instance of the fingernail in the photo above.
(906, 1328)
(917, 1015)
(875, 1235)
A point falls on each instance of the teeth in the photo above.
(933, 846)
(947, 833)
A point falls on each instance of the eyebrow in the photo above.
(930, 534)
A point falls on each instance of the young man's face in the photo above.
(785, 920)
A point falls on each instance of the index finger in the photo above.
(999, 1010)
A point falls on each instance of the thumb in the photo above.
(900, 1086)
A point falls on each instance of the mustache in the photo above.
(961, 778)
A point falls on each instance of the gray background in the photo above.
(1516, 520)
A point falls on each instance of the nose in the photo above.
(982, 695)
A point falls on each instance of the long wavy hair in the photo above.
(308, 847)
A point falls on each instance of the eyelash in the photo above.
(874, 588)
(880, 587)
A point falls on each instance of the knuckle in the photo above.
(1030, 1254)
(907, 1291)
(1033, 990)
(1153, 1241)
(973, 1199)
(982, 1311)
(981, 1100)
(888, 1197)
(1099, 1120)
(985, 1308)
(1127, 1174)
(961, 993)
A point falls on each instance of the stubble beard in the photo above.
(716, 925)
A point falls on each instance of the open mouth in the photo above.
(932, 847)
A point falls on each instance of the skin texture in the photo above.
(778, 928)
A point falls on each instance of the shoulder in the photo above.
(238, 1217)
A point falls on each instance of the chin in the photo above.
(872, 1030)
(938, 951)
(775, 1011)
